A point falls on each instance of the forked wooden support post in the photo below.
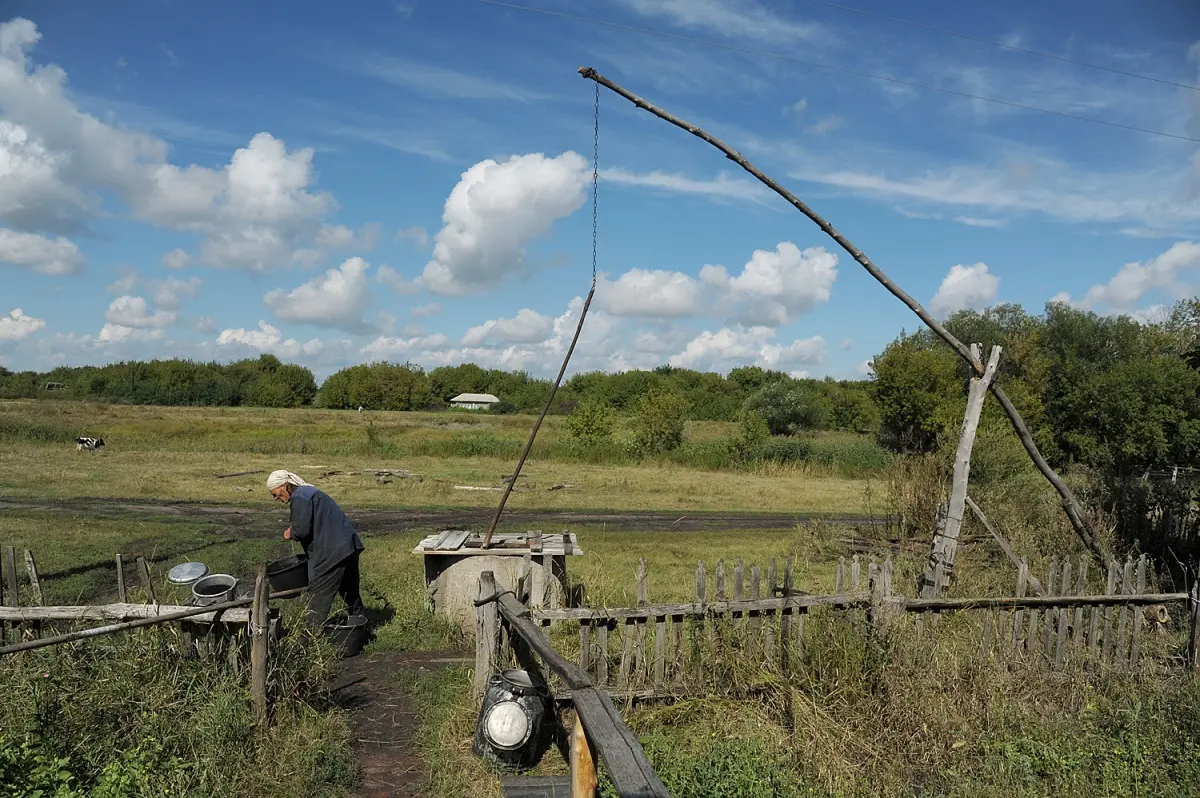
(945, 542)
(1069, 502)
(260, 623)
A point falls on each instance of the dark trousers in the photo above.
(341, 580)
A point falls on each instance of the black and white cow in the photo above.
(90, 444)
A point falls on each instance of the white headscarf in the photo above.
(282, 477)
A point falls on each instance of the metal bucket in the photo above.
(213, 589)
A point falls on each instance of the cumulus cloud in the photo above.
(965, 287)
(17, 326)
(114, 333)
(494, 211)
(649, 293)
(269, 339)
(526, 327)
(167, 294)
(428, 309)
(132, 312)
(737, 346)
(335, 299)
(53, 256)
(386, 275)
(776, 286)
(385, 348)
(176, 259)
(1175, 271)
(57, 165)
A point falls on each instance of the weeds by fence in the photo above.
(749, 626)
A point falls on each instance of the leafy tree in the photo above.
(659, 422)
(591, 422)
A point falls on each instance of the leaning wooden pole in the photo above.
(944, 549)
(1069, 502)
(259, 640)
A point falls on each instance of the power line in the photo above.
(1012, 47)
(818, 65)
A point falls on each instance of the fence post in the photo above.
(1194, 641)
(583, 764)
(487, 633)
(260, 623)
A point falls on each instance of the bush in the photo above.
(752, 432)
(791, 407)
(659, 422)
(591, 422)
(503, 408)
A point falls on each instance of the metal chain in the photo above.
(595, 178)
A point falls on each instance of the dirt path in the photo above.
(384, 721)
(251, 519)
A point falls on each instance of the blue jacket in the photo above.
(323, 530)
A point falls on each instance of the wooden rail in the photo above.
(599, 724)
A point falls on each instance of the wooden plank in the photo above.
(585, 645)
(535, 542)
(143, 569)
(785, 620)
(1135, 634)
(1080, 590)
(452, 540)
(1062, 613)
(660, 652)
(1110, 588)
(678, 675)
(487, 633)
(35, 584)
(121, 579)
(1126, 612)
(602, 653)
(624, 760)
(754, 621)
(518, 617)
(739, 593)
(719, 583)
(701, 583)
(115, 612)
(777, 604)
(536, 787)
(441, 538)
(1193, 648)
(626, 655)
(1047, 618)
(1018, 617)
(944, 549)
(546, 593)
(855, 574)
(839, 577)
(260, 621)
(583, 764)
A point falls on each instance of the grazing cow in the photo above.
(90, 444)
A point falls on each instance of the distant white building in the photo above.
(474, 401)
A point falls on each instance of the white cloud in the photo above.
(965, 287)
(826, 124)
(650, 294)
(116, 333)
(428, 309)
(131, 312)
(17, 326)
(388, 276)
(724, 187)
(846, 344)
(384, 348)
(494, 211)
(204, 324)
(1170, 271)
(776, 286)
(416, 234)
(730, 18)
(736, 346)
(335, 299)
(527, 326)
(53, 256)
(169, 293)
(269, 339)
(176, 259)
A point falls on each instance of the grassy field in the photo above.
(124, 716)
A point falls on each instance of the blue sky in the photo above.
(412, 180)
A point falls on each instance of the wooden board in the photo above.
(458, 543)
(535, 786)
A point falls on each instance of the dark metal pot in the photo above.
(350, 633)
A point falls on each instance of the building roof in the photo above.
(475, 397)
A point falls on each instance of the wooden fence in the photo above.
(748, 616)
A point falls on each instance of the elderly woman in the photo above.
(328, 539)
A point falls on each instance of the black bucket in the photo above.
(348, 632)
(288, 573)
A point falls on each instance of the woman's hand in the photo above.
(287, 533)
